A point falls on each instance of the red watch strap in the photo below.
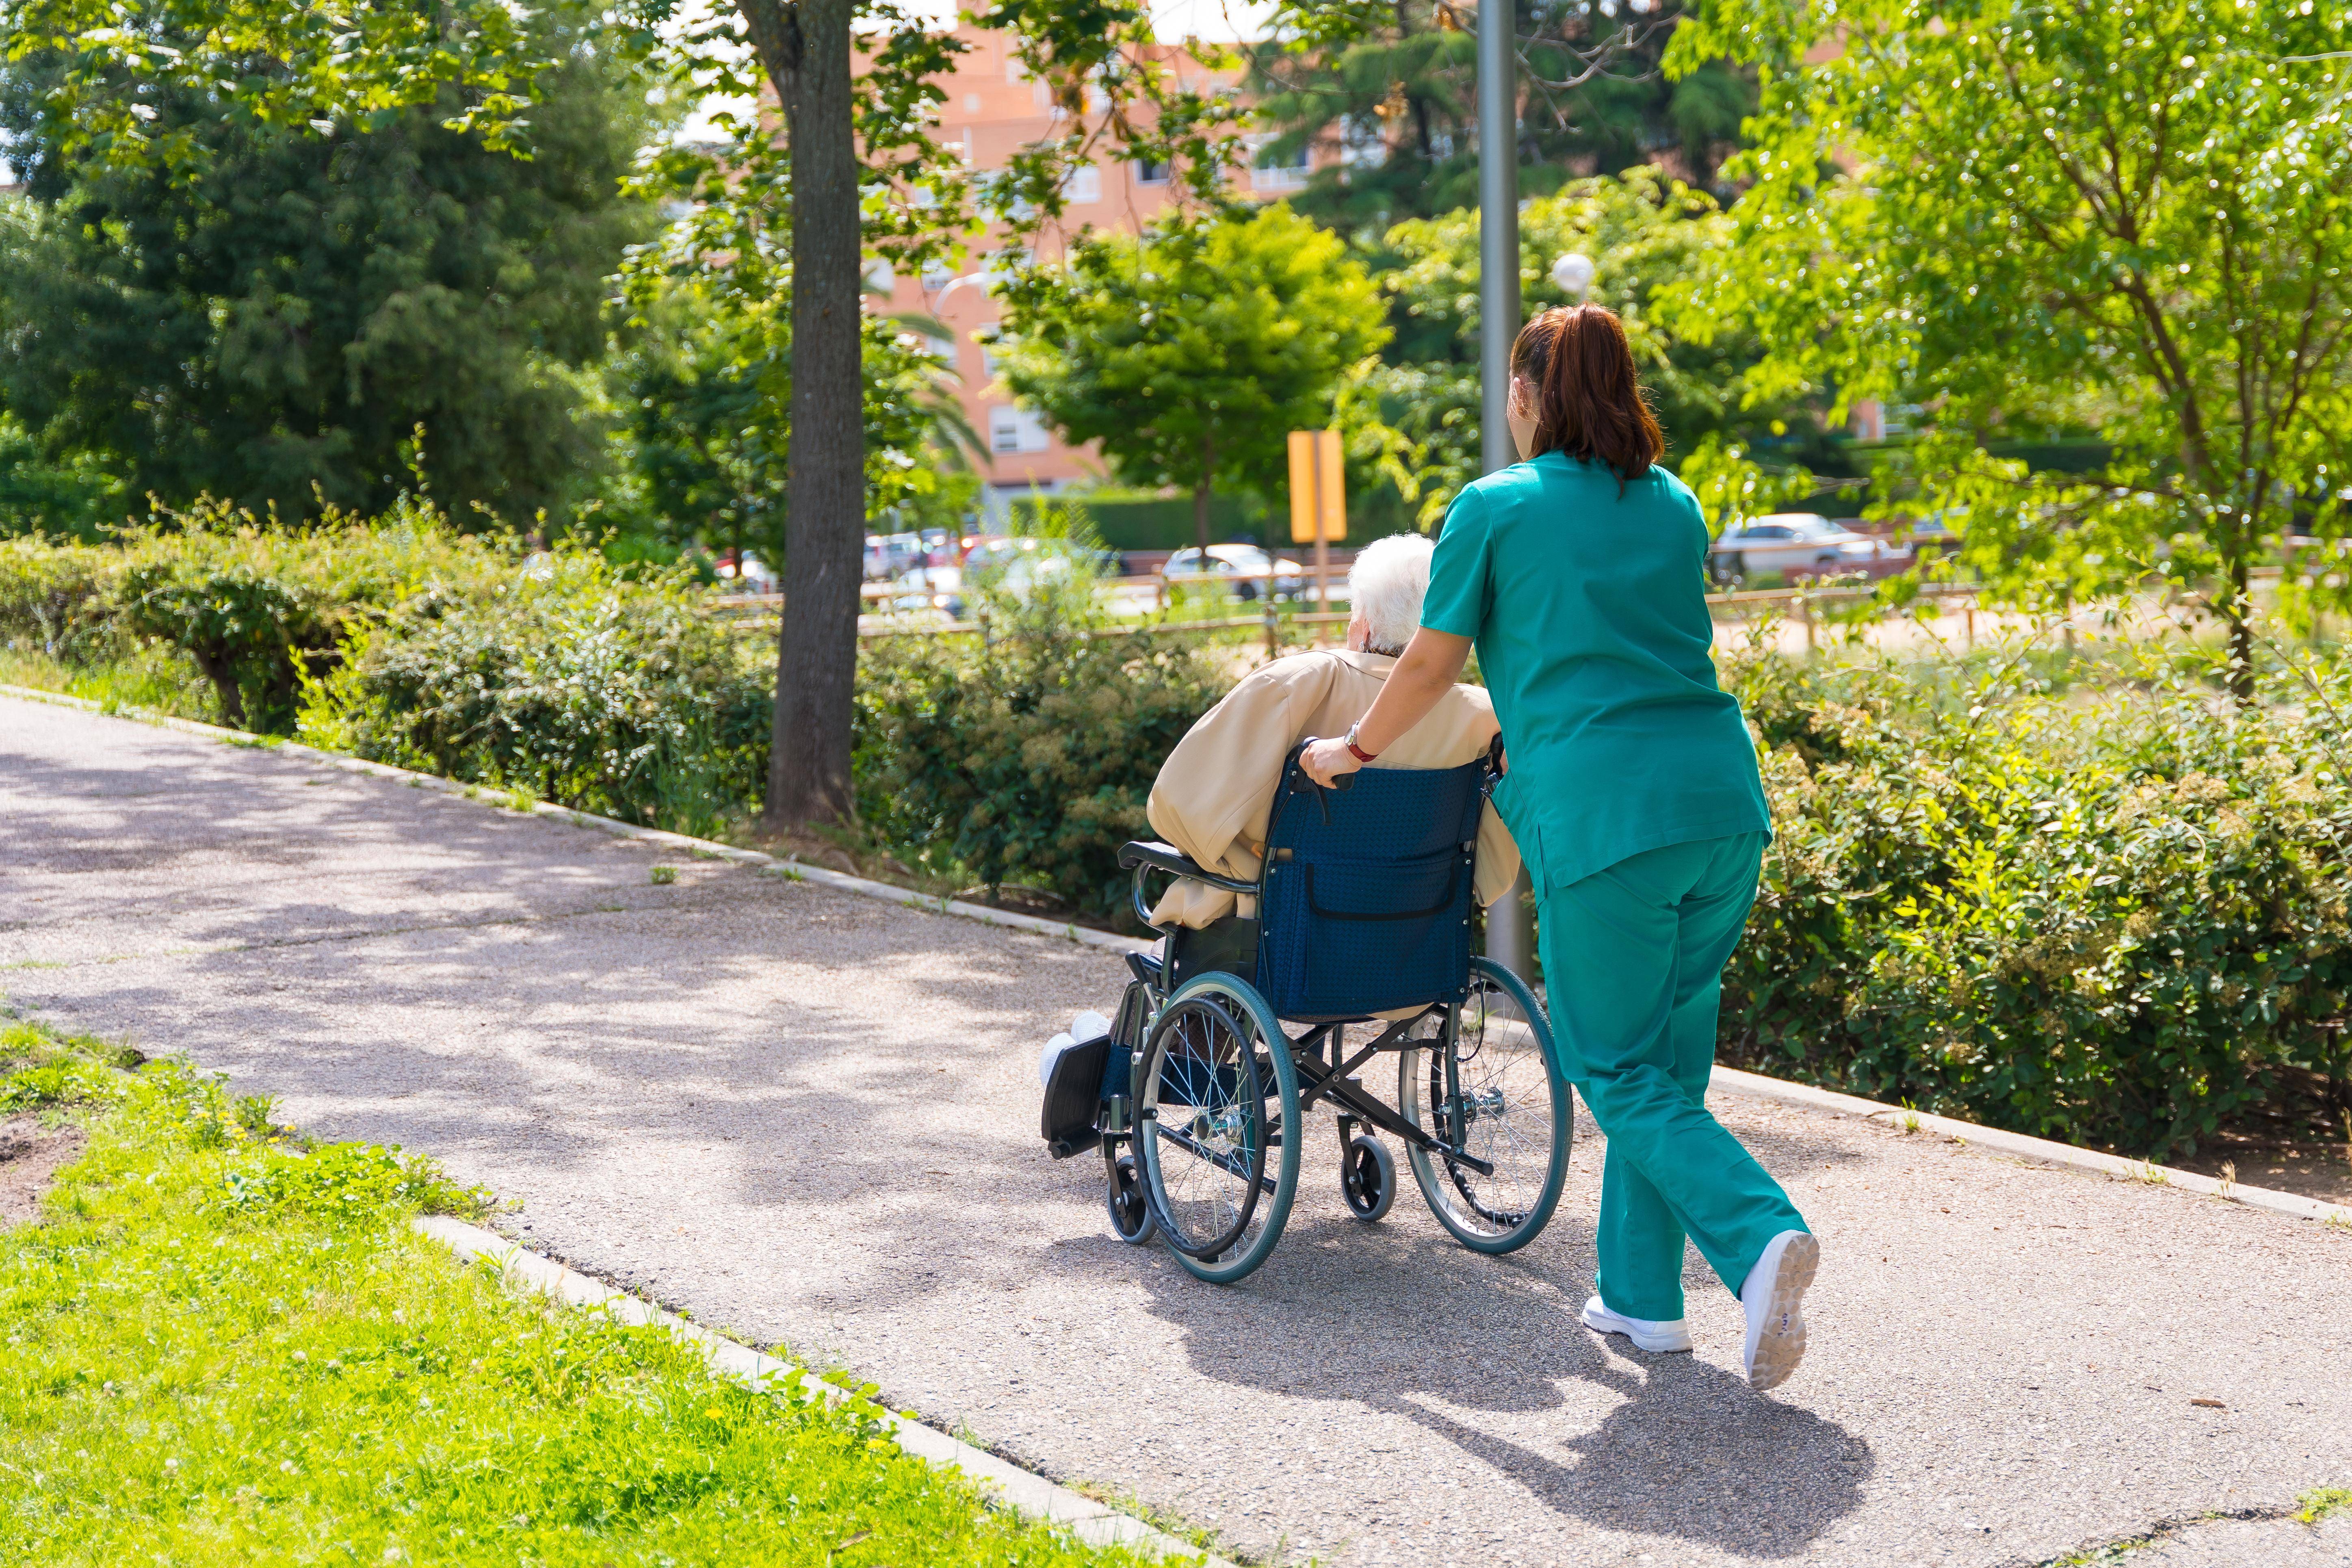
(1355, 751)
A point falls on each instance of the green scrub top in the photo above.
(1588, 610)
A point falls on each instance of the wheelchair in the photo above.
(1362, 924)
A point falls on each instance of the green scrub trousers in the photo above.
(1635, 797)
(1632, 960)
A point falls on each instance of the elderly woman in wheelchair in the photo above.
(1296, 914)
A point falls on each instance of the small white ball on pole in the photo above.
(1573, 272)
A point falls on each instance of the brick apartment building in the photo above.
(992, 107)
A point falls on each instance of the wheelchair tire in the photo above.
(1219, 1172)
(1500, 1070)
(1368, 1178)
(1131, 1211)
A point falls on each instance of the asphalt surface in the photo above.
(810, 1118)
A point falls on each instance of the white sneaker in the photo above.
(1774, 1299)
(1645, 1334)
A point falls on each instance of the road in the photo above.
(811, 1119)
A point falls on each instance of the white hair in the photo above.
(1386, 585)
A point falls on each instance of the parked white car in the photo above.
(1224, 560)
(1803, 541)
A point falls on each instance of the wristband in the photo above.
(1354, 750)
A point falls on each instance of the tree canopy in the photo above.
(1647, 235)
(1394, 87)
(2129, 216)
(1191, 353)
(270, 318)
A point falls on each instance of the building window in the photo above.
(1150, 172)
(1083, 186)
(1016, 431)
(1273, 170)
(937, 274)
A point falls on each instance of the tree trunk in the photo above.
(2238, 608)
(803, 46)
(1201, 499)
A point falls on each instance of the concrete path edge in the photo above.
(1732, 1080)
(1748, 1084)
(1096, 1523)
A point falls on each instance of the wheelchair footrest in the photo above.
(1072, 1096)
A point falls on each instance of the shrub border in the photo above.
(1748, 1084)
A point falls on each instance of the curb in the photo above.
(1096, 1523)
(1754, 1086)
(1732, 1080)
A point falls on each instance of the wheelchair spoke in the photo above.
(1487, 1097)
(1206, 1128)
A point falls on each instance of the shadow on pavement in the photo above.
(1413, 1325)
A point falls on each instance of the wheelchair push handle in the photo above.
(1290, 765)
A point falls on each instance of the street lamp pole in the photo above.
(1510, 923)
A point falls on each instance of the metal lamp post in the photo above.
(1510, 923)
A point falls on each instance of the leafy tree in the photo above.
(1192, 352)
(704, 386)
(271, 322)
(1395, 87)
(2129, 214)
(1647, 234)
(71, 500)
(856, 169)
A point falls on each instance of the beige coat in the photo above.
(1216, 790)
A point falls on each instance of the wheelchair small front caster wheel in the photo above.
(1130, 1213)
(1367, 1178)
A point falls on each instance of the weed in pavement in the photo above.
(224, 1347)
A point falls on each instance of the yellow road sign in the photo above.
(1318, 489)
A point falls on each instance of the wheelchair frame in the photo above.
(1314, 1067)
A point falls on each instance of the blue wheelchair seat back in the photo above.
(1365, 905)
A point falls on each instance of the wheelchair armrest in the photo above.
(1167, 858)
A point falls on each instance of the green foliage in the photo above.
(706, 385)
(596, 689)
(1029, 760)
(255, 610)
(336, 1184)
(2133, 219)
(1397, 84)
(56, 600)
(72, 498)
(2114, 916)
(271, 320)
(1647, 234)
(221, 1348)
(1191, 353)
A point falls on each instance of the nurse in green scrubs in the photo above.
(1580, 576)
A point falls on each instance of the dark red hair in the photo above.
(1588, 401)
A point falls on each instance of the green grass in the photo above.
(222, 1347)
(2320, 1502)
(156, 679)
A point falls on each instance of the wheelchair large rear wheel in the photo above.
(1493, 1091)
(1216, 1127)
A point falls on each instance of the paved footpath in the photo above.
(811, 1119)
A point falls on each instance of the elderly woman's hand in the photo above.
(1325, 761)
